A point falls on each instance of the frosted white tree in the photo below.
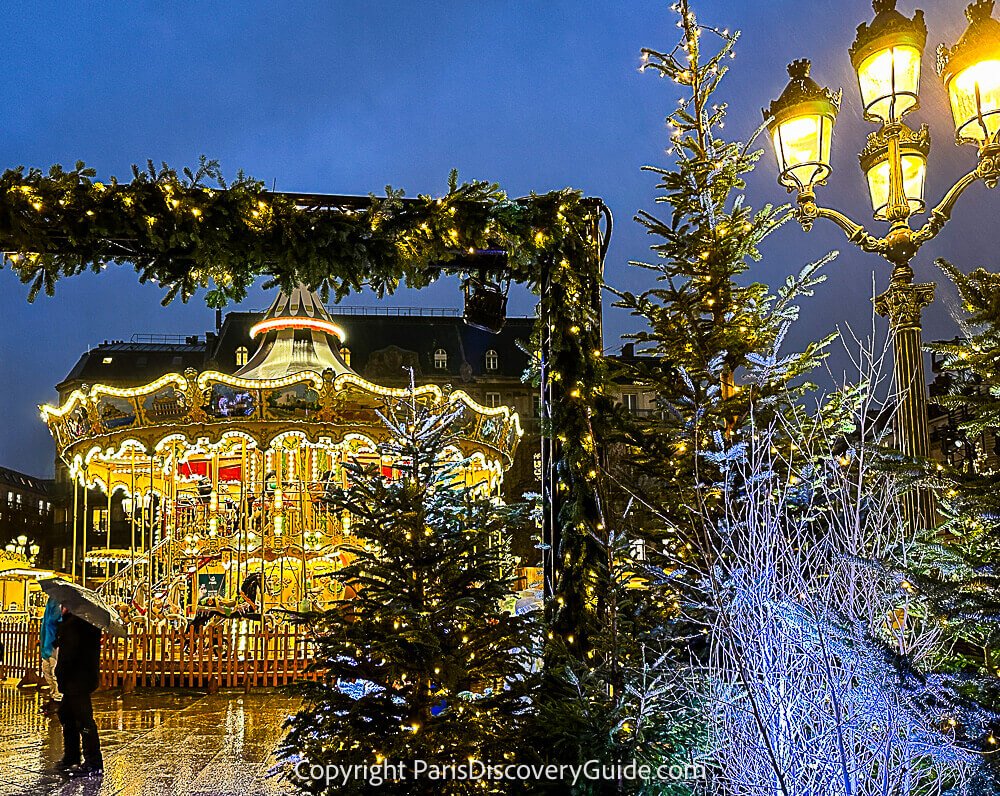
(815, 681)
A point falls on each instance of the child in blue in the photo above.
(46, 639)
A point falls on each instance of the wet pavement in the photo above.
(155, 743)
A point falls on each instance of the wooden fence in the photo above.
(232, 655)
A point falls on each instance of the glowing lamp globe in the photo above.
(914, 148)
(971, 74)
(801, 123)
(886, 57)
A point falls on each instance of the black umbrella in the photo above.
(84, 603)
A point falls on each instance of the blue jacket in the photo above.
(50, 622)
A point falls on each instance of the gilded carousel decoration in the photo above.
(226, 478)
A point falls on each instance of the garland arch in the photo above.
(193, 230)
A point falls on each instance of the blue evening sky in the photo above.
(346, 96)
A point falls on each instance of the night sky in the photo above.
(346, 97)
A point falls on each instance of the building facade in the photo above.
(27, 512)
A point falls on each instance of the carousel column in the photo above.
(263, 528)
(241, 519)
(136, 506)
(172, 531)
(76, 521)
(152, 525)
(110, 489)
(86, 490)
(304, 476)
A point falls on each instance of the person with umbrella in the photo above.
(78, 671)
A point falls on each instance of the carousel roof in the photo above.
(297, 334)
(296, 382)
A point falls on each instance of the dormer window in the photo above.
(345, 354)
(242, 353)
(492, 360)
(440, 359)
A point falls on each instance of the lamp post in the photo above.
(886, 57)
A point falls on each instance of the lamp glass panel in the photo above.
(914, 177)
(802, 146)
(975, 100)
(890, 82)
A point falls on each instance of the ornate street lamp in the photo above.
(886, 58)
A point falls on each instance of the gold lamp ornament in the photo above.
(801, 123)
(886, 57)
(896, 193)
(971, 74)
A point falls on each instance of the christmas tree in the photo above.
(627, 701)
(955, 572)
(708, 356)
(423, 663)
(710, 351)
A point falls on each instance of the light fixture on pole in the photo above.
(886, 58)
(971, 74)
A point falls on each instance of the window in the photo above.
(177, 361)
(492, 360)
(536, 406)
(19, 496)
(41, 505)
(10, 498)
(638, 547)
(107, 360)
(142, 361)
(493, 399)
(630, 401)
(241, 356)
(440, 359)
(345, 354)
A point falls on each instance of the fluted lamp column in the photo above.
(886, 57)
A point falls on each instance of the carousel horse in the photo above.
(244, 606)
(166, 609)
(135, 611)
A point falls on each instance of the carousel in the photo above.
(226, 479)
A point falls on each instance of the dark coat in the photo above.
(79, 663)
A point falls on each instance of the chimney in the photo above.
(218, 319)
(628, 351)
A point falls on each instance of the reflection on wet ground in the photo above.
(156, 743)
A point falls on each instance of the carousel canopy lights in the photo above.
(317, 324)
